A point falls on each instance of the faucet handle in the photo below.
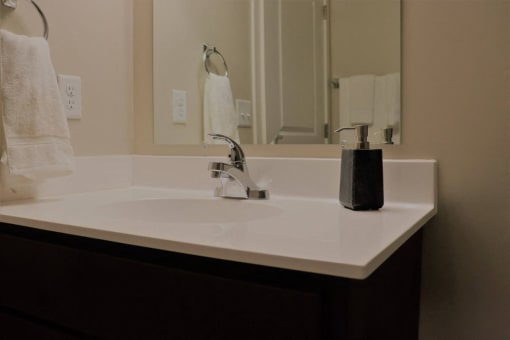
(236, 152)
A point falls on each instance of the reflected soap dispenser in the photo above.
(361, 176)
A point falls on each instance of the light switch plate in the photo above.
(179, 107)
(243, 108)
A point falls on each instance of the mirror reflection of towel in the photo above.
(371, 100)
(357, 99)
(219, 113)
(36, 135)
(388, 98)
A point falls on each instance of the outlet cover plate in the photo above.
(70, 92)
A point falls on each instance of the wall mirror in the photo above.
(297, 69)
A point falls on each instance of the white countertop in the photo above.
(301, 233)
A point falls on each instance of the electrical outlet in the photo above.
(179, 107)
(70, 91)
(243, 108)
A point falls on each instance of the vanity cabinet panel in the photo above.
(22, 327)
(87, 288)
(115, 296)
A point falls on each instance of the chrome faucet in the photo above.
(234, 177)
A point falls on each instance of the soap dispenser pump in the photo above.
(361, 176)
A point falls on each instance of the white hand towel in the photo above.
(393, 93)
(345, 95)
(219, 112)
(357, 100)
(387, 100)
(36, 135)
(361, 99)
(381, 102)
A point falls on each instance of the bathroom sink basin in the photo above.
(179, 210)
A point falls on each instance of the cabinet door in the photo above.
(14, 326)
(116, 297)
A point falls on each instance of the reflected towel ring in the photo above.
(210, 50)
(13, 4)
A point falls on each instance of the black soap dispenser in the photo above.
(361, 177)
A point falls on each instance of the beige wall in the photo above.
(456, 104)
(457, 110)
(91, 39)
(375, 46)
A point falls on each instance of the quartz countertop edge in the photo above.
(45, 214)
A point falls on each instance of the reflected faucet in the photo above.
(234, 177)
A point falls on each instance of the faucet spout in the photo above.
(234, 177)
(237, 158)
(235, 183)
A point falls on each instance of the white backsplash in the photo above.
(409, 181)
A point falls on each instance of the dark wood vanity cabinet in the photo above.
(56, 286)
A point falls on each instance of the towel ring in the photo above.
(210, 50)
(14, 3)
